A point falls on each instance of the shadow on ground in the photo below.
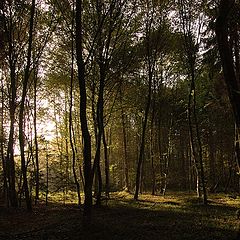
(125, 219)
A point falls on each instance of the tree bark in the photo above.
(83, 114)
(195, 139)
(142, 146)
(22, 107)
(70, 125)
(2, 139)
(36, 141)
(126, 167)
(100, 128)
(10, 164)
(226, 55)
(106, 161)
(152, 148)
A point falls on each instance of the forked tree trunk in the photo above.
(195, 139)
(142, 144)
(150, 62)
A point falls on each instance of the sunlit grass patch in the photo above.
(69, 197)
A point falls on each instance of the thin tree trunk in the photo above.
(200, 151)
(126, 167)
(237, 146)
(71, 126)
(182, 158)
(66, 135)
(36, 141)
(168, 158)
(106, 161)
(47, 175)
(10, 163)
(142, 146)
(196, 146)
(150, 61)
(95, 126)
(2, 139)
(74, 158)
(100, 130)
(152, 150)
(212, 163)
(97, 169)
(160, 153)
(200, 177)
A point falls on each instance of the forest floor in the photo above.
(177, 216)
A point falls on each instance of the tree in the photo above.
(191, 49)
(229, 55)
(71, 130)
(9, 25)
(25, 86)
(83, 115)
(152, 49)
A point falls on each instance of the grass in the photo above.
(177, 216)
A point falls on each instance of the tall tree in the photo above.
(150, 62)
(83, 112)
(188, 23)
(9, 25)
(25, 86)
(71, 129)
(225, 21)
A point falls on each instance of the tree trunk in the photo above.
(226, 55)
(150, 63)
(106, 161)
(83, 115)
(152, 149)
(142, 146)
(100, 127)
(168, 157)
(47, 174)
(36, 141)
(2, 139)
(196, 150)
(195, 139)
(22, 107)
(212, 163)
(200, 151)
(10, 164)
(70, 125)
(126, 167)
